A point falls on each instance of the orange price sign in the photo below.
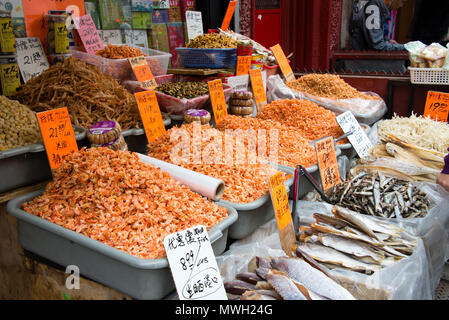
(218, 100)
(283, 63)
(143, 72)
(258, 88)
(150, 114)
(327, 162)
(228, 16)
(437, 106)
(243, 65)
(59, 137)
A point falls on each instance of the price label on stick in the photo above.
(88, 33)
(243, 65)
(358, 139)
(283, 63)
(228, 16)
(31, 57)
(194, 24)
(143, 72)
(258, 88)
(150, 114)
(59, 137)
(437, 106)
(327, 162)
(193, 265)
(218, 100)
(279, 198)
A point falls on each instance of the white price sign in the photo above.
(193, 265)
(359, 140)
(31, 57)
(194, 22)
(110, 36)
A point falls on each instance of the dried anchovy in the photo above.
(185, 89)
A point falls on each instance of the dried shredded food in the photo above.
(119, 52)
(293, 149)
(246, 180)
(89, 95)
(312, 121)
(327, 86)
(113, 197)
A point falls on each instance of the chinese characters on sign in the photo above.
(283, 62)
(218, 100)
(143, 72)
(327, 162)
(194, 24)
(88, 34)
(228, 16)
(358, 139)
(193, 265)
(437, 106)
(258, 88)
(150, 114)
(58, 135)
(31, 57)
(243, 65)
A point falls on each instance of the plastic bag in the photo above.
(365, 111)
(414, 49)
(435, 54)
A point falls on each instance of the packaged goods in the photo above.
(119, 52)
(174, 13)
(184, 89)
(193, 115)
(7, 37)
(435, 55)
(159, 37)
(176, 39)
(18, 125)
(118, 144)
(141, 20)
(104, 132)
(57, 34)
(212, 41)
(9, 75)
(113, 197)
(89, 95)
(414, 49)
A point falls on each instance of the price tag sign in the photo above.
(61, 38)
(7, 41)
(218, 100)
(143, 72)
(358, 139)
(279, 198)
(193, 265)
(228, 16)
(88, 34)
(31, 57)
(327, 162)
(150, 114)
(283, 63)
(258, 88)
(437, 106)
(58, 135)
(194, 23)
(243, 65)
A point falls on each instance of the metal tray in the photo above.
(29, 164)
(139, 278)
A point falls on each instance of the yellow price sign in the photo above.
(327, 162)
(143, 72)
(228, 15)
(283, 63)
(243, 65)
(218, 100)
(150, 114)
(258, 88)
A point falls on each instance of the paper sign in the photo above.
(194, 23)
(136, 37)
(150, 114)
(327, 162)
(437, 106)
(358, 139)
(258, 88)
(243, 65)
(193, 265)
(228, 16)
(283, 63)
(143, 72)
(218, 100)
(10, 78)
(110, 36)
(88, 33)
(7, 39)
(31, 57)
(58, 135)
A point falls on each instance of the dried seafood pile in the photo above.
(212, 41)
(89, 95)
(377, 195)
(355, 242)
(119, 52)
(185, 89)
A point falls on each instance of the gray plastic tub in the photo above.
(139, 278)
(254, 214)
(136, 139)
(347, 149)
(29, 164)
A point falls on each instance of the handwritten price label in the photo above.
(243, 65)
(218, 100)
(58, 135)
(31, 57)
(258, 88)
(437, 106)
(283, 63)
(228, 16)
(193, 265)
(88, 34)
(194, 24)
(327, 162)
(358, 139)
(143, 72)
(150, 114)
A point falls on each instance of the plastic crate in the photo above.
(429, 76)
(208, 58)
(120, 69)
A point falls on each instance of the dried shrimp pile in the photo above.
(112, 197)
(292, 148)
(89, 95)
(245, 180)
(327, 86)
(312, 121)
(119, 52)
